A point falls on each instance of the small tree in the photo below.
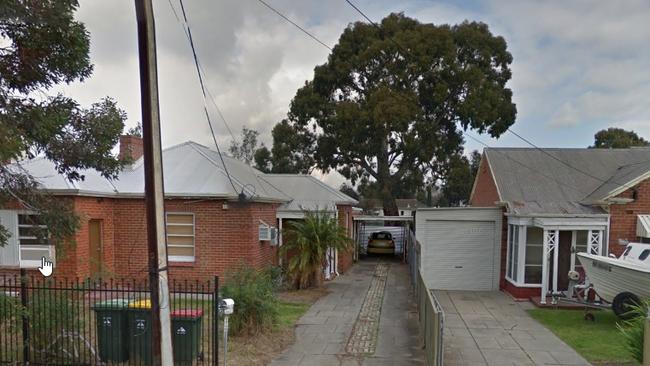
(308, 241)
(245, 150)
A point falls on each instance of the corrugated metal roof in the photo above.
(307, 193)
(532, 182)
(194, 170)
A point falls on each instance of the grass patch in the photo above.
(600, 341)
(289, 313)
(260, 349)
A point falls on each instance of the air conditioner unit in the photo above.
(264, 232)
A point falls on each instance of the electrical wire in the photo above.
(205, 107)
(509, 130)
(602, 180)
(403, 49)
(294, 24)
(211, 97)
(536, 171)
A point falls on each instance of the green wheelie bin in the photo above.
(139, 315)
(186, 335)
(112, 330)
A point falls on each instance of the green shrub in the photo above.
(633, 329)
(53, 318)
(256, 303)
(10, 309)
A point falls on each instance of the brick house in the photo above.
(209, 228)
(577, 200)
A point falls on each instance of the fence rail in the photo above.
(102, 322)
(430, 313)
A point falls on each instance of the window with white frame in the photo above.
(534, 255)
(180, 237)
(33, 241)
(513, 251)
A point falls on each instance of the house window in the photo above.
(33, 240)
(180, 237)
(513, 252)
(534, 255)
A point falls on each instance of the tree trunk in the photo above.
(389, 203)
(385, 181)
(318, 278)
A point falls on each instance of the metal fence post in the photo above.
(24, 300)
(215, 322)
(646, 341)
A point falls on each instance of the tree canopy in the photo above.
(245, 150)
(617, 138)
(459, 180)
(391, 103)
(44, 46)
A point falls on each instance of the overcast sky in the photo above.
(579, 66)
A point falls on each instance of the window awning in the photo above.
(643, 226)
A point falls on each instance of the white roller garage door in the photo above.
(460, 254)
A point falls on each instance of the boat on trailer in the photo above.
(622, 281)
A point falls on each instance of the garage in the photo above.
(460, 247)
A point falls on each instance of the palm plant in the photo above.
(307, 242)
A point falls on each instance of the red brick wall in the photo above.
(224, 239)
(76, 262)
(623, 217)
(131, 146)
(485, 192)
(345, 257)
(521, 292)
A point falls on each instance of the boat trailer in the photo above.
(582, 294)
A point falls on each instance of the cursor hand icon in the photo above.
(46, 267)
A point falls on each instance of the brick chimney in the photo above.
(131, 146)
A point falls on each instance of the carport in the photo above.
(460, 247)
(398, 226)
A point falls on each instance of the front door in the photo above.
(95, 241)
(564, 260)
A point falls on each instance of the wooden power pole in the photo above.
(153, 186)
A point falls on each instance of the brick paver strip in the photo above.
(363, 339)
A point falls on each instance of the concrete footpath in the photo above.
(323, 333)
(489, 328)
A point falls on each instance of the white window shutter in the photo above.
(10, 253)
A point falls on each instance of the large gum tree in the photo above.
(391, 102)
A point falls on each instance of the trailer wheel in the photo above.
(623, 303)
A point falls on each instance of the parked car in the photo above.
(381, 242)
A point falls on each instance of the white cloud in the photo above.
(578, 65)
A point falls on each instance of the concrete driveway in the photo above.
(489, 328)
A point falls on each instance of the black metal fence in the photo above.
(103, 322)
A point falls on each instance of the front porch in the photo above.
(541, 250)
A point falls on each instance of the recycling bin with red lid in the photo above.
(187, 335)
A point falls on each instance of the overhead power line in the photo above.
(211, 97)
(295, 24)
(514, 133)
(567, 164)
(402, 48)
(518, 162)
(205, 107)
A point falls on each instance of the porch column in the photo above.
(280, 261)
(550, 241)
(596, 242)
(555, 261)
